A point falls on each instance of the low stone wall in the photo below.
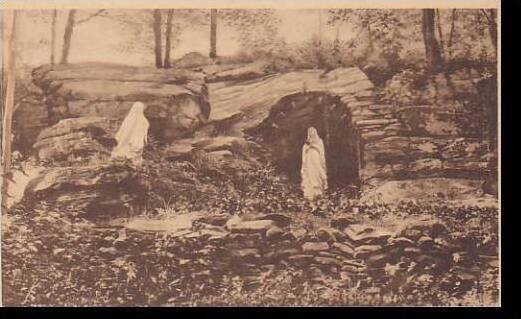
(421, 142)
(210, 247)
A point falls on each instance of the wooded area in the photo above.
(400, 106)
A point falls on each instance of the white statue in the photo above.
(313, 172)
(132, 135)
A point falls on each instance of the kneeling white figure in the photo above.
(132, 135)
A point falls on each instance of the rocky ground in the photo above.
(253, 240)
(209, 220)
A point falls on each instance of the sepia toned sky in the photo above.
(99, 38)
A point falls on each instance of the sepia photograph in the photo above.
(190, 154)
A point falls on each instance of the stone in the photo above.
(256, 105)
(413, 234)
(363, 234)
(411, 251)
(455, 190)
(279, 219)
(426, 165)
(217, 220)
(192, 60)
(298, 232)
(346, 249)
(77, 139)
(400, 242)
(241, 72)
(330, 234)
(425, 224)
(327, 254)
(254, 226)
(425, 242)
(237, 240)
(213, 234)
(246, 253)
(315, 246)
(180, 233)
(177, 101)
(234, 220)
(351, 265)
(301, 259)
(365, 250)
(328, 261)
(377, 260)
(110, 251)
(98, 192)
(274, 233)
(281, 254)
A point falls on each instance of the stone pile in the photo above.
(354, 254)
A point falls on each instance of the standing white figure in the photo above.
(132, 135)
(313, 172)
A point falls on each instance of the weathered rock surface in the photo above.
(229, 98)
(251, 254)
(95, 192)
(207, 106)
(457, 191)
(83, 137)
(177, 101)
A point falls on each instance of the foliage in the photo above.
(52, 260)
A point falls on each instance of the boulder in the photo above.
(177, 101)
(96, 192)
(77, 138)
(228, 98)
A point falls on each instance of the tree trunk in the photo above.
(67, 37)
(9, 55)
(168, 35)
(440, 33)
(451, 33)
(157, 38)
(432, 48)
(492, 27)
(53, 35)
(213, 33)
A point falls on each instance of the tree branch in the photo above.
(90, 17)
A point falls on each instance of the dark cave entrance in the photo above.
(285, 130)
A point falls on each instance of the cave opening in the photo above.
(284, 133)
